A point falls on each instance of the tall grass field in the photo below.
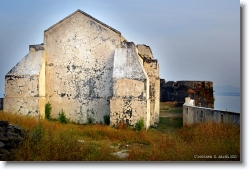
(57, 141)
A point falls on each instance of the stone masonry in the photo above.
(193, 114)
(78, 68)
(200, 91)
(130, 101)
(151, 67)
(24, 85)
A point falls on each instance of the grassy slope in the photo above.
(170, 124)
(59, 142)
(170, 107)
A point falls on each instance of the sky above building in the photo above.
(192, 40)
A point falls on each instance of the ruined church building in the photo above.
(88, 69)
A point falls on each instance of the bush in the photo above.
(62, 117)
(90, 120)
(107, 119)
(48, 109)
(139, 125)
(38, 132)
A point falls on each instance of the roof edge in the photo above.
(146, 47)
(87, 16)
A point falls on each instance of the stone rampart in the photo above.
(151, 67)
(130, 101)
(200, 91)
(22, 85)
(79, 66)
(89, 70)
(193, 115)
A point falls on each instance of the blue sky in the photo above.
(192, 40)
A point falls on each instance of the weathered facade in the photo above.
(130, 101)
(200, 91)
(78, 69)
(151, 67)
(24, 84)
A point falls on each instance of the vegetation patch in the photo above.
(60, 142)
(106, 119)
(169, 124)
(48, 109)
(139, 125)
(170, 107)
(62, 117)
(90, 120)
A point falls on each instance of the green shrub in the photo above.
(107, 119)
(90, 120)
(38, 132)
(139, 125)
(48, 109)
(62, 117)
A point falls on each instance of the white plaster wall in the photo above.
(29, 65)
(127, 64)
(22, 85)
(130, 101)
(151, 67)
(194, 115)
(157, 96)
(79, 65)
(22, 105)
(42, 89)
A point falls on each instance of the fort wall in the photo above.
(200, 91)
(89, 70)
(22, 85)
(193, 115)
(130, 101)
(79, 67)
(151, 67)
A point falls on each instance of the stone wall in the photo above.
(151, 67)
(74, 69)
(144, 51)
(79, 66)
(200, 91)
(22, 85)
(130, 100)
(193, 114)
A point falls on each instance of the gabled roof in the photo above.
(87, 16)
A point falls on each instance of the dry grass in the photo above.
(60, 142)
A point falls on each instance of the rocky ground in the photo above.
(11, 136)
